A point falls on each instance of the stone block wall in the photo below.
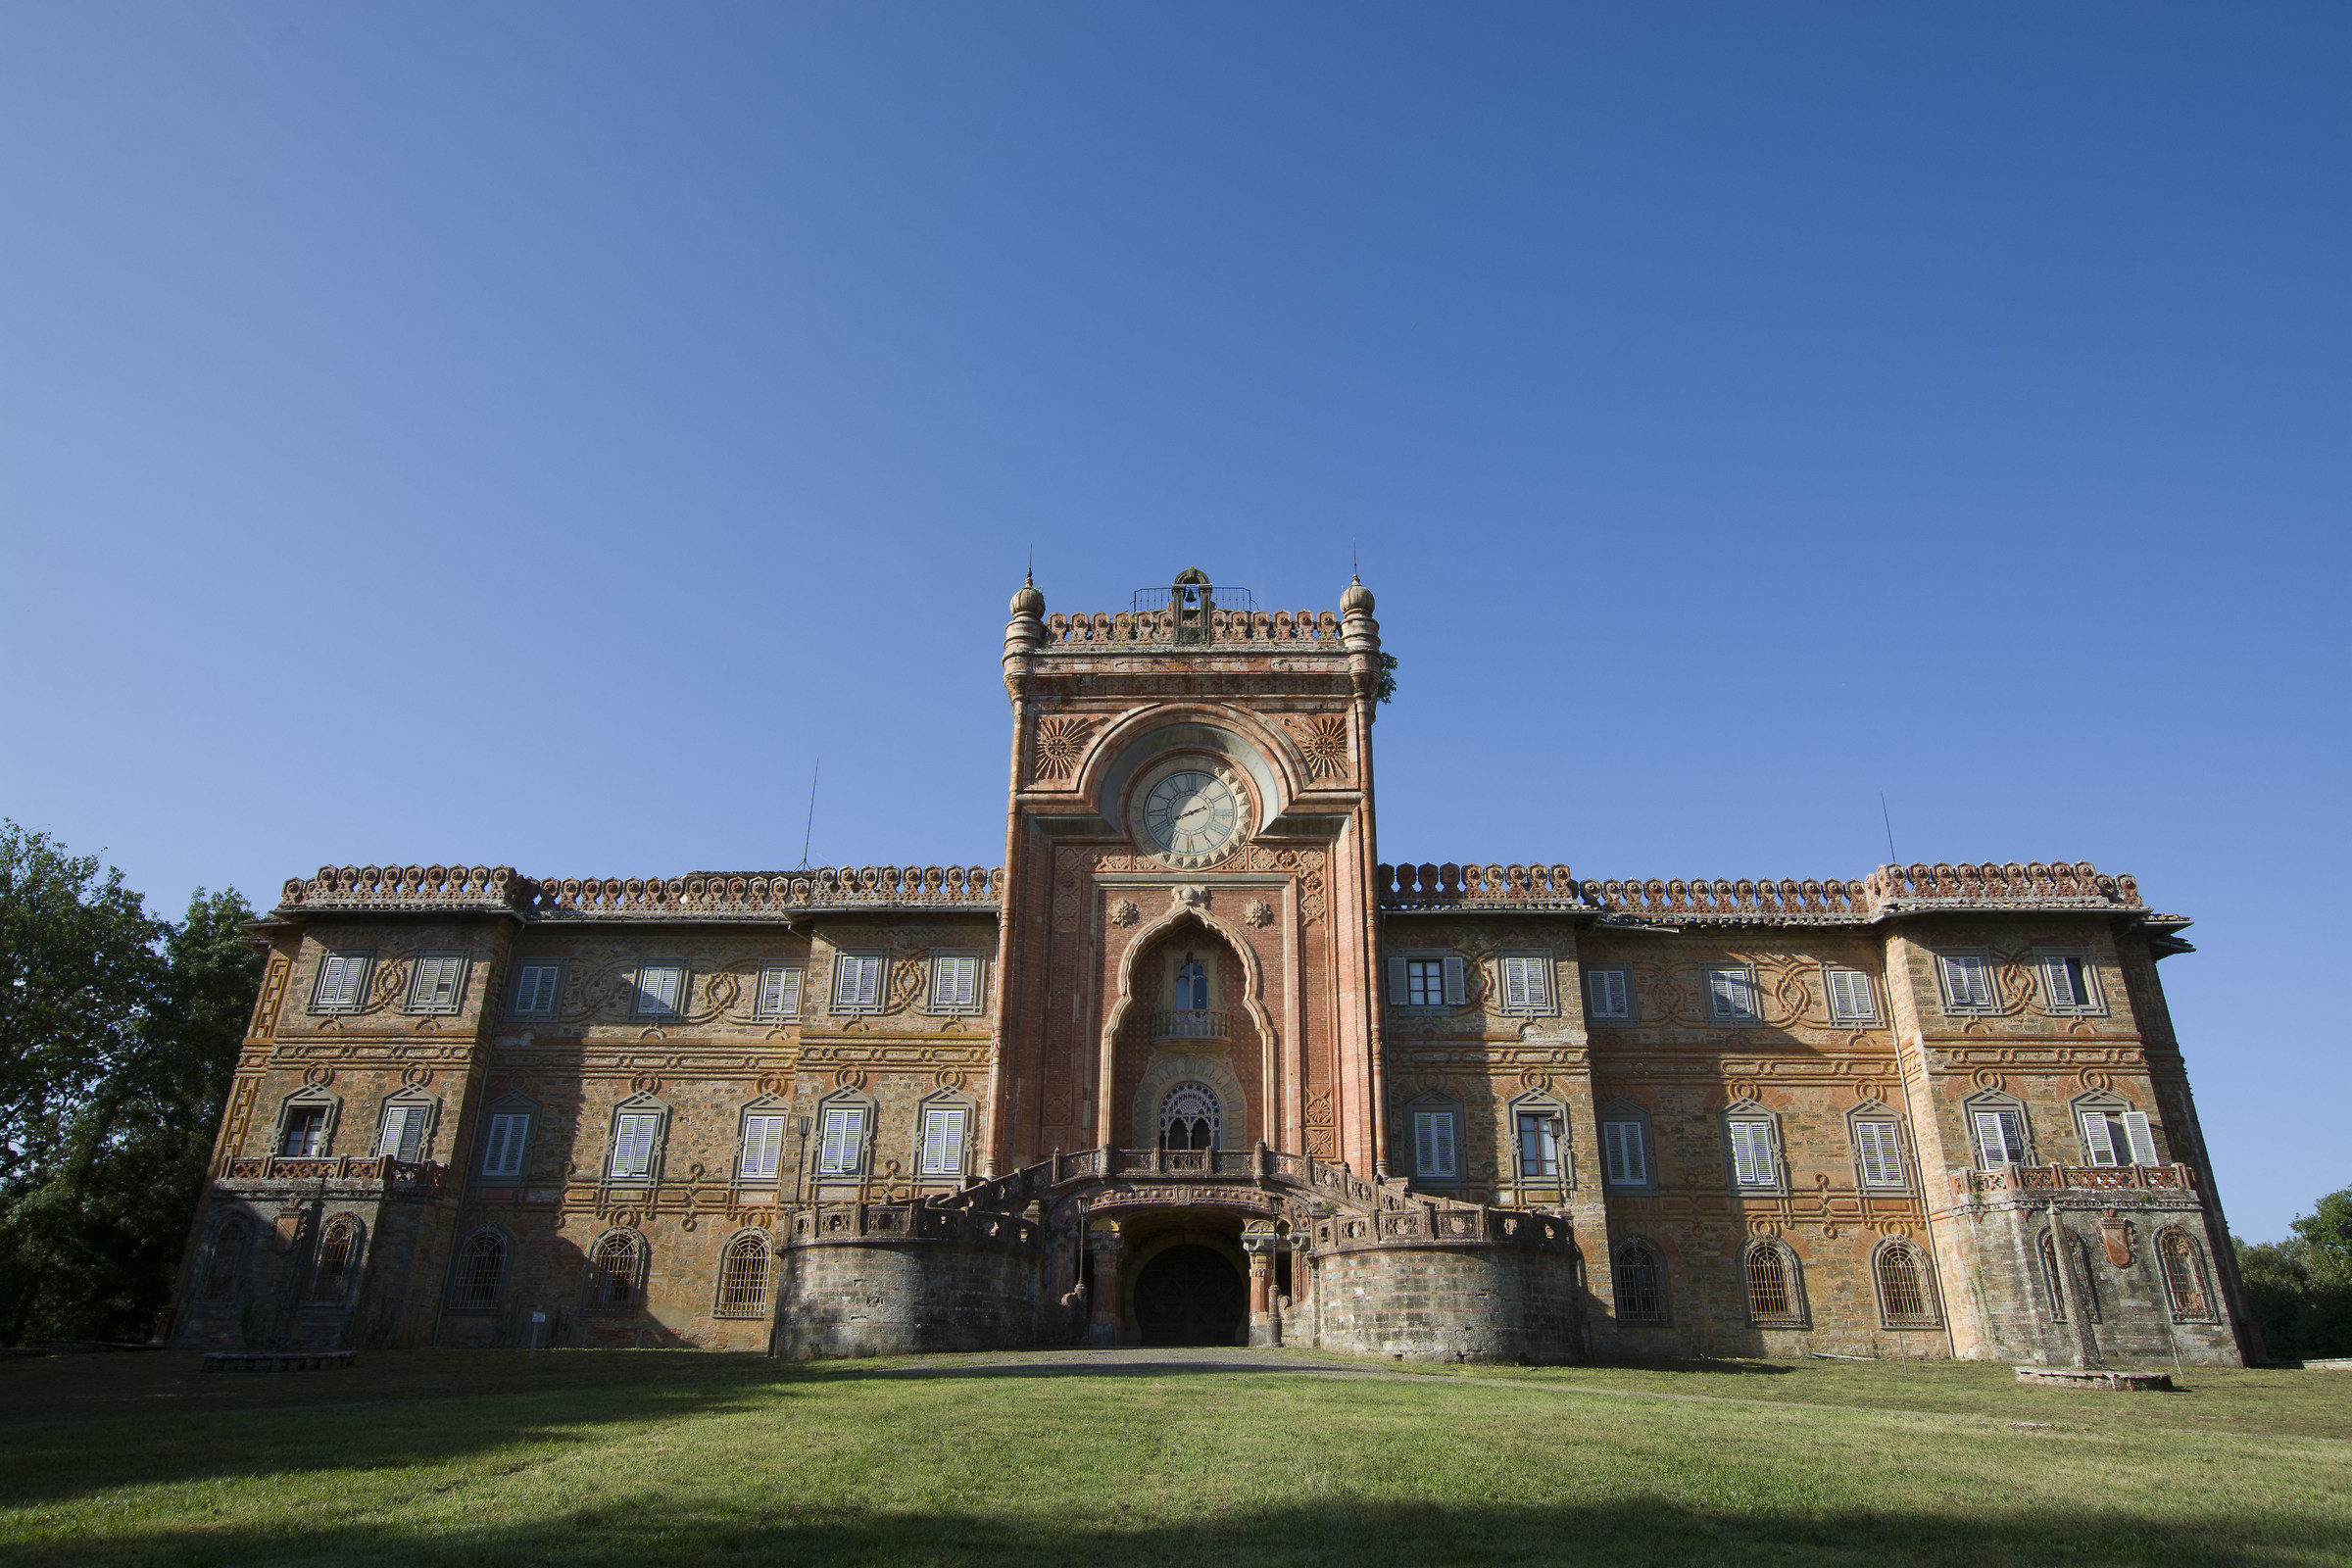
(908, 1297)
(1446, 1305)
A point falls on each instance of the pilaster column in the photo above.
(1103, 1245)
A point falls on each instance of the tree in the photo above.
(118, 1035)
(2300, 1289)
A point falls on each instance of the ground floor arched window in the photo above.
(615, 1268)
(1905, 1300)
(743, 1277)
(2184, 1276)
(1640, 1284)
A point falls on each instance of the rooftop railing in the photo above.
(1154, 627)
(2034, 885)
(701, 894)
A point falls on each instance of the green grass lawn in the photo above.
(635, 1457)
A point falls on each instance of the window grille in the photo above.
(402, 1135)
(955, 983)
(1527, 983)
(660, 988)
(1538, 1143)
(943, 1141)
(614, 1269)
(1770, 1293)
(305, 1135)
(228, 1253)
(482, 1269)
(1627, 1160)
(1849, 997)
(1732, 995)
(2000, 1138)
(536, 987)
(1967, 983)
(437, 983)
(1191, 1117)
(1640, 1284)
(1903, 1287)
(1882, 1152)
(779, 992)
(338, 1247)
(1753, 1160)
(743, 1277)
(342, 982)
(502, 1153)
(763, 1145)
(1434, 1142)
(2183, 1280)
(841, 1145)
(856, 982)
(1609, 995)
(635, 1133)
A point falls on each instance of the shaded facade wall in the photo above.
(1446, 1305)
(908, 1298)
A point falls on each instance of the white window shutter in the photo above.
(406, 1135)
(1538, 969)
(1397, 993)
(1628, 1161)
(1882, 1154)
(762, 1138)
(505, 1155)
(943, 1141)
(1514, 983)
(771, 992)
(1425, 1153)
(1752, 1159)
(2142, 1141)
(829, 1148)
(388, 1137)
(1457, 990)
(1850, 995)
(1610, 999)
(2098, 1138)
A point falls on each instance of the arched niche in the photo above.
(1245, 742)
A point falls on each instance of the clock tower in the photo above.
(1188, 936)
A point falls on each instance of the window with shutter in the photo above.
(634, 1135)
(779, 992)
(2000, 1138)
(2068, 984)
(943, 1141)
(841, 1144)
(1627, 1160)
(342, 982)
(402, 1135)
(1731, 993)
(437, 983)
(659, 987)
(501, 1152)
(2098, 1138)
(2139, 1137)
(1752, 1163)
(1967, 983)
(762, 1144)
(535, 988)
(1608, 995)
(1882, 1154)
(1458, 987)
(955, 983)
(856, 982)
(1433, 1142)
(1851, 999)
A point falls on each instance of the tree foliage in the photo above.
(2300, 1289)
(118, 1034)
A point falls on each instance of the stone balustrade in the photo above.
(2074, 1178)
(338, 1170)
(1888, 890)
(701, 895)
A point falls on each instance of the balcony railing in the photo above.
(1191, 1023)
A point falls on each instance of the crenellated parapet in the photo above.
(701, 895)
(1317, 627)
(1889, 890)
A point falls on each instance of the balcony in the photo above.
(1191, 1023)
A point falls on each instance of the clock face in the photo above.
(1192, 814)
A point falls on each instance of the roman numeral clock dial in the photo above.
(1192, 815)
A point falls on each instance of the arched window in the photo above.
(1774, 1296)
(338, 1250)
(615, 1268)
(481, 1269)
(1903, 1297)
(1640, 1284)
(1189, 1118)
(743, 1277)
(2082, 1276)
(1192, 986)
(2184, 1276)
(228, 1254)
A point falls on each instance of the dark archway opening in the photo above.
(1189, 1296)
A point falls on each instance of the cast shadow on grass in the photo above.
(1338, 1530)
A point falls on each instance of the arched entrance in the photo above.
(1190, 1294)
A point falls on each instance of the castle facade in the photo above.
(1192, 1064)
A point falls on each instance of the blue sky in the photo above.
(534, 434)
